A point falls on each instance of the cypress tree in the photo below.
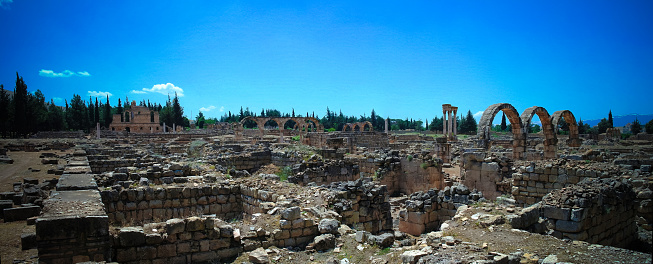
(20, 107)
(503, 122)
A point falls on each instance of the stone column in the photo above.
(164, 127)
(98, 131)
(455, 123)
(444, 122)
(449, 130)
(174, 128)
(386, 125)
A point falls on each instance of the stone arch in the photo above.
(355, 127)
(550, 140)
(318, 126)
(347, 126)
(574, 139)
(260, 123)
(485, 126)
(366, 124)
(268, 122)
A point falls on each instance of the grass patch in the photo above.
(284, 173)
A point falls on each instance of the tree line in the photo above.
(25, 113)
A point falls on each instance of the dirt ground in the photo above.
(26, 165)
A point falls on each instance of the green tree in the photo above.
(20, 107)
(636, 127)
(200, 120)
(436, 124)
(535, 128)
(581, 127)
(603, 126)
(77, 117)
(96, 112)
(649, 127)
(4, 111)
(56, 120)
(503, 122)
(37, 112)
(108, 118)
(91, 112)
(119, 110)
(610, 123)
(468, 124)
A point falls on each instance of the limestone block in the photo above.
(175, 226)
(146, 253)
(194, 224)
(568, 226)
(127, 254)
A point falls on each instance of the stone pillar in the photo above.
(174, 128)
(455, 123)
(444, 122)
(164, 127)
(97, 135)
(386, 125)
(449, 130)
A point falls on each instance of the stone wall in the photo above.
(599, 211)
(177, 240)
(145, 205)
(484, 174)
(294, 230)
(531, 183)
(351, 140)
(250, 162)
(363, 204)
(426, 211)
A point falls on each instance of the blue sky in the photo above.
(401, 59)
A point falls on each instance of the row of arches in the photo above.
(358, 126)
(520, 125)
(306, 124)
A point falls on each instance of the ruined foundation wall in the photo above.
(531, 183)
(599, 211)
(145, 205)
(176, 241)
(363, 205)
(425, 212)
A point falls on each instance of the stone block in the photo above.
(556, 212)
(21, 213)
(568, 226)
(166, 251)
(291, 213)
(411, 228)
(194, 224)
(131, 236)
(174, 226)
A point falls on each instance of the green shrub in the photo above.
(409, 157)
(284, 173)
(295, 138)
(424, 165)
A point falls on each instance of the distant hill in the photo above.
(619, 121)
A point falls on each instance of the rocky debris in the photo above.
(259, 255)
(323, 242)
(328, 226)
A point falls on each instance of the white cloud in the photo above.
(221, 108)
(207, 109)
(99, 94)
(166, 89)
(478, 115)
(58, 100)
(5, 3)
(65, 73)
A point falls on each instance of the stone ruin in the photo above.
(197, 197)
